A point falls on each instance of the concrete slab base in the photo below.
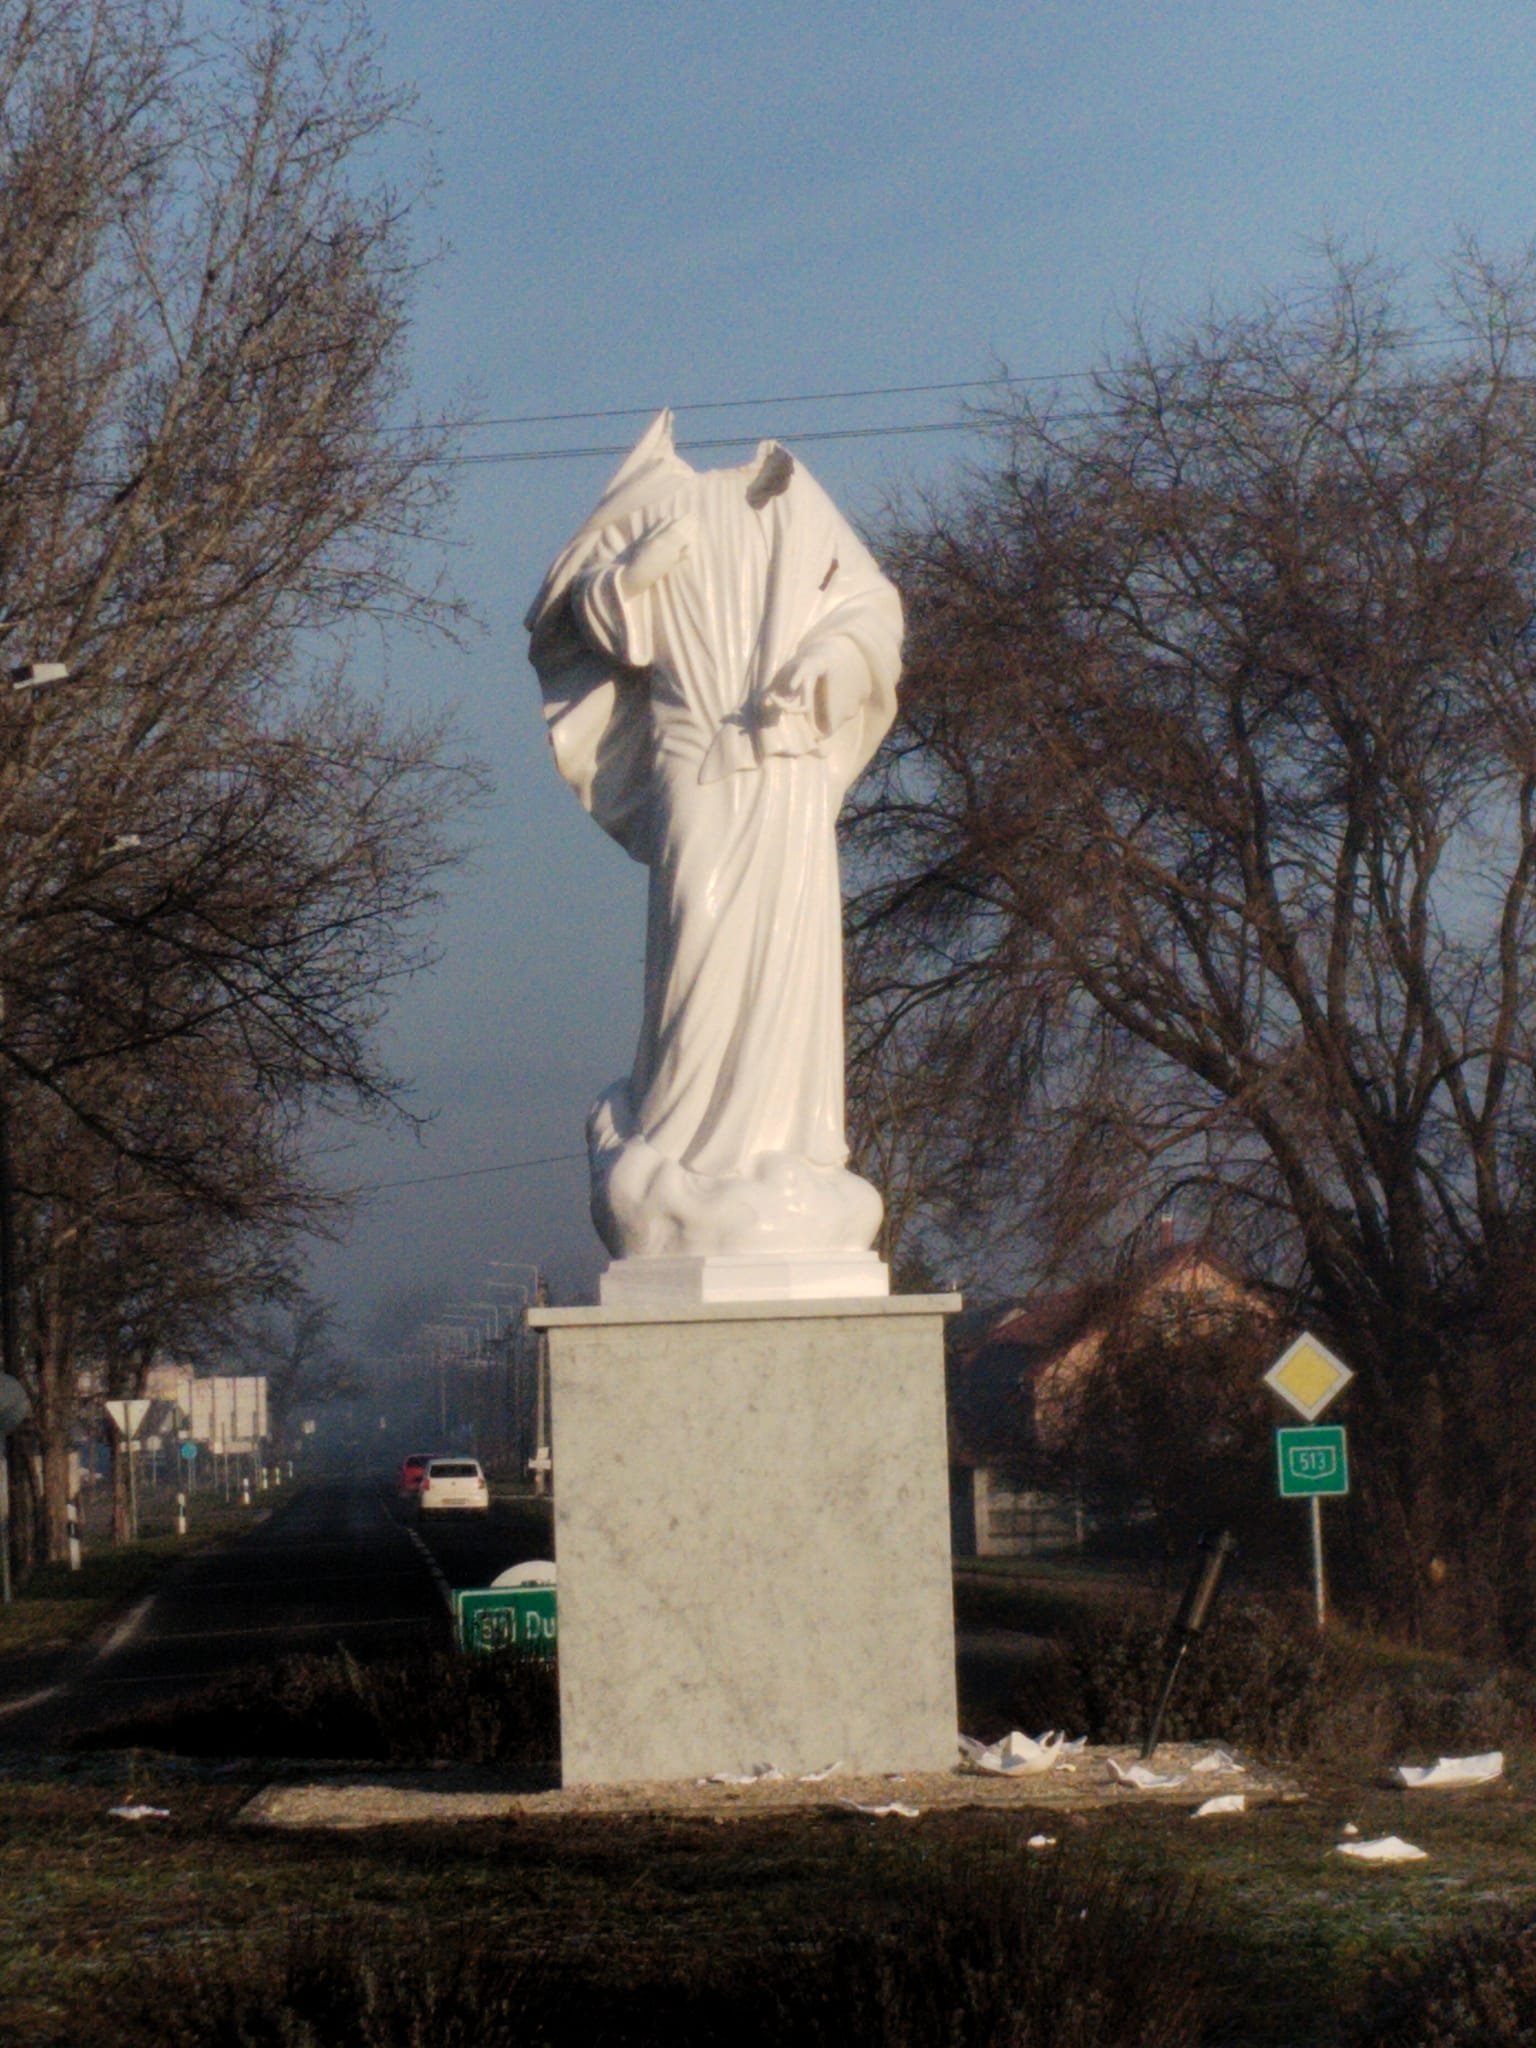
(362, 1799)
(752, 1532)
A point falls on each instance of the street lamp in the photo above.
(37, 675)
(529, 1297)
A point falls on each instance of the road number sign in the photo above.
(1311, 1461)
(506, 1618)
(1308, 1376)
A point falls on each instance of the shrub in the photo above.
(1260, 1676)
(1475, 1990)
(414, 1706)
(988, 1947)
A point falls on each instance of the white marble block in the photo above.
(664, 1283)
(752, 1533)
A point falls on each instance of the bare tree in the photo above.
(218, 852)
(1202, 863)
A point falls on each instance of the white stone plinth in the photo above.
(752, 1533)
(665, 1283)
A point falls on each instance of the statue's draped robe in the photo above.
(652, 702)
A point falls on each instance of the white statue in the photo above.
(719, 652)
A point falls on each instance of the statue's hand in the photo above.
(656, 554)
(830, 682)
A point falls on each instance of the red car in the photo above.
(412, 1473)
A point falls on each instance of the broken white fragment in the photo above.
(819, 1777)
(760, 1774)
(1142, 1777)
(882, 1812)
(1041, 1842)
(1385, 1849)
(1019, 1755)
(1218, 1760)
(138, 1812)
(1349, 1828)
(1453, 1770)
(1226, 1802)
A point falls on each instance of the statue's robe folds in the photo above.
(729, 1134)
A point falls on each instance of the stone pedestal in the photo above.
(752, 1534)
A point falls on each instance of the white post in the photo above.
(1316, 1506)
(181, 1514)
(72, 1514)
(245, 1491)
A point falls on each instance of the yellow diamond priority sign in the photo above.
(1307, 1376)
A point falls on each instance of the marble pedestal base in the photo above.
(744, 1276)
(752, 1533)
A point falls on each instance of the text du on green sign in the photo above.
(1312, 1461)
(506, 1618)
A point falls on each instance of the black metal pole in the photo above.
(1188, 1622)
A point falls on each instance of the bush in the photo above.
(1261, 1676)
(415, 1706)
(1475, 1990)
(988, 1947)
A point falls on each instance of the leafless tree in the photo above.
(1201, 865)
(218, 850)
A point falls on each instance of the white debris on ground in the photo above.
(760, 1774)
(350, 1799)
(1224, 1802)
(1041, 1842)
(1451, 1771)
(1020, 1755)
(138, 1813)
(1142, 1777)
(1349, 1829)
(883, 1812)
(1385, 1849)
(820, 1777)
(1216, 1760)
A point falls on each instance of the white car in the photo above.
(452, 1483)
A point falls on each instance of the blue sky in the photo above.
(687, 203)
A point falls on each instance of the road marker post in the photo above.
(72, 1525)
(1312, 1462)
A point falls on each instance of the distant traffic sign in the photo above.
(1308, 1376)
(1312, 1462)
(127, 1415)
(189, 1452)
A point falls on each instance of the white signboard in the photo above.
(127, 1415)
(229, 1411)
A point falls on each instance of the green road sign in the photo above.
(506, 1618)
(1312, 1461)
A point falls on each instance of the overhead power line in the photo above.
(423, 1180)
(717, 441)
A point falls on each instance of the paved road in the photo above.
(337, 1563)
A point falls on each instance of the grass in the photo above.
(646, 1913)
(57, 1607)
(1044, 1596)
(93, 1902)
